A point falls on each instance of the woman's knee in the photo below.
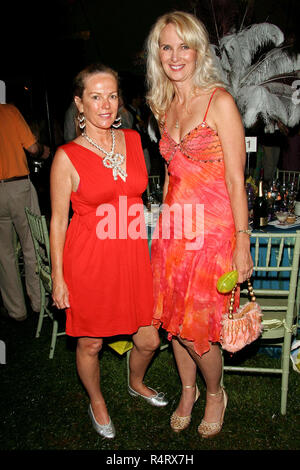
(91, 346)
(147, 339)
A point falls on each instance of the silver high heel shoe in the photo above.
(156, 400)
(105, 430)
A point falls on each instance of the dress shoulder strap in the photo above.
(211, 97)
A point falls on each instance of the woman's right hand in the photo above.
(60, 294)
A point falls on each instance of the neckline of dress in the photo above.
(202, 124)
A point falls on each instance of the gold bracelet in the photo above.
(248, 232)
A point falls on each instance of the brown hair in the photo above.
(79, 81)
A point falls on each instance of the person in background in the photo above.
(16, 193)
(203, 146)
(271, 144)
(134, 105)
(103, 280)
(126, 118)
(70, 132)
(291, 150)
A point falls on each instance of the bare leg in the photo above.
(187, 369)
(145, 342)
(210, 365)
(89, 372)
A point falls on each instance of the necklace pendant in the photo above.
(111, 160)
(176, 124)
(115, 173)
(123, 176)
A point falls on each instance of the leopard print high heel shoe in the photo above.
(206, 429)
(179, 423)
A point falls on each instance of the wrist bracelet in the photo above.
(248, 232)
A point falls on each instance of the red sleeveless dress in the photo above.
(194, 240)
(106, 258)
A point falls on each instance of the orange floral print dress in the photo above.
(194, 239)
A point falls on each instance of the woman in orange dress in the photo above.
(100, 263)
(203, 228)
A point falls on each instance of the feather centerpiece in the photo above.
(259, 88)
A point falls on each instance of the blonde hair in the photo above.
(193, 33)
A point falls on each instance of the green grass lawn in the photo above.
(44, 406)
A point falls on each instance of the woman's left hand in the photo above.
(242, 260)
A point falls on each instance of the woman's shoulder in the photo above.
(66, 151)
(223, 104)
(67, 145)
(224, 108)
(223, 96)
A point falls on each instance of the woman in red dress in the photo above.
(100, 262)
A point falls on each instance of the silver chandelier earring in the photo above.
(81, 120)
(117, 123)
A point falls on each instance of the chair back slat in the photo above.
(280, 253)
(276, 286)
(272, 250)
(277, 262)
(40, 237)
(286, 177)
(256, 253)
(268, 256)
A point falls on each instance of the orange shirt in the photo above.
(15, 135)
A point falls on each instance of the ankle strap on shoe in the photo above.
(215, 394)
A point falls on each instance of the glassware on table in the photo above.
(297, 203)
(272, 198)
(282, 217)
(250, 199)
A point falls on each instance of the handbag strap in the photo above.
(251, 293)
